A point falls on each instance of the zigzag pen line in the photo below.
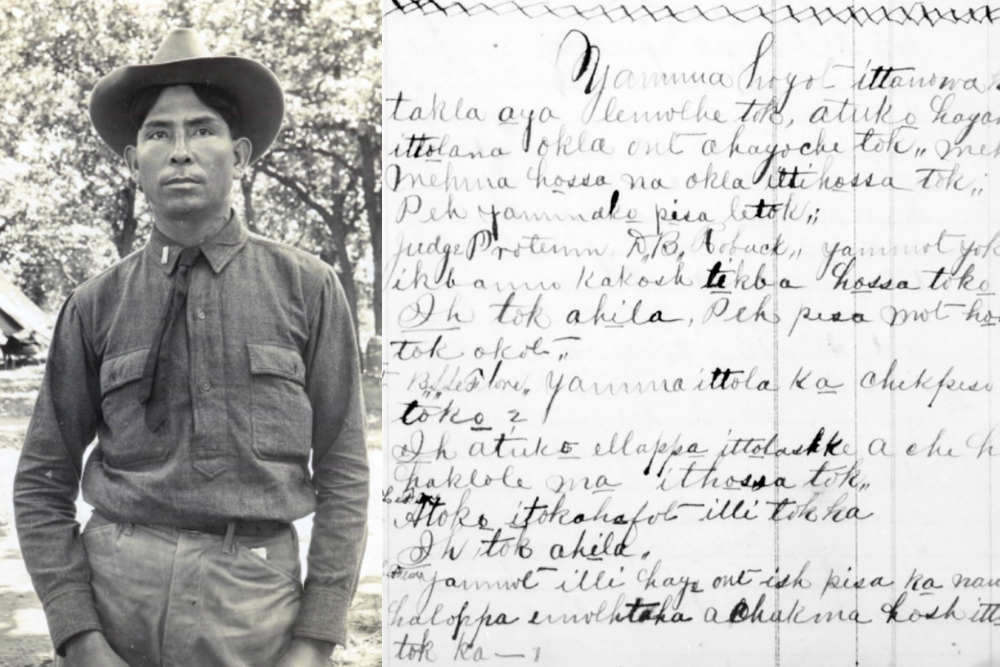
(917, 14)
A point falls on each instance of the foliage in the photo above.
(66, 199)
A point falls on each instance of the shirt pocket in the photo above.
(281, 412)
(127, 441)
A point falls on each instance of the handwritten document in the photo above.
(691, 335)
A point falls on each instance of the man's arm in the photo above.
(306, 653)
(63, 423)
(340, 469)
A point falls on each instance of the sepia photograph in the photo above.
(190, 319)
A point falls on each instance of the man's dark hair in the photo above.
(214, 98)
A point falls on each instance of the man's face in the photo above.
(185, 158)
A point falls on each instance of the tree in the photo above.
(317, 188)
(51, 60)
(326, 157)
(46, 254)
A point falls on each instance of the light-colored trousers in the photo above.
(170, 598)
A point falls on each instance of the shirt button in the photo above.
(200, 314)
(206, 386)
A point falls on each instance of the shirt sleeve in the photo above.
(340, 469)
(47, 482)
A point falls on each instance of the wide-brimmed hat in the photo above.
(184, 59)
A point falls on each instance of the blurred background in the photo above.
(68, 209)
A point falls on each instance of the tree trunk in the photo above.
(339, 256)
(124, 225)
(249, 214)
(350, 287)
(373, 211)
(335, 222)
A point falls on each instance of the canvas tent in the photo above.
(20, 317)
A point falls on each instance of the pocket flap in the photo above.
(276, 360)
(122, 369)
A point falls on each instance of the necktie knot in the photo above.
(189, 256)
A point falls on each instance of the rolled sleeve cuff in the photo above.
(323, 616)
(70, 611)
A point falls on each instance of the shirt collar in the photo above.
(219, 249)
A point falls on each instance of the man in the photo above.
(211, 365)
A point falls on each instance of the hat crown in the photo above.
(183, 60)
(179, 44)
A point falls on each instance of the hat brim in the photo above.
(254, 87)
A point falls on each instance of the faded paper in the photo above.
(691, 335)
